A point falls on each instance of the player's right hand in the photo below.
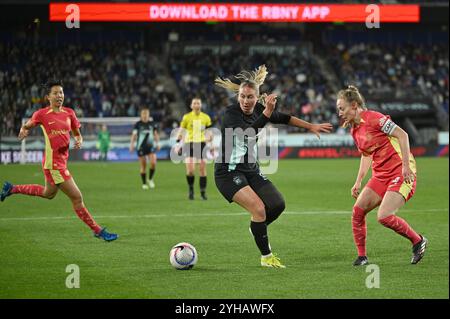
(23, 133)
(131, 149)
(356, 190)
(271, 100)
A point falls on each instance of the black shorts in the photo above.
(145, 150)
(229, 183)
(194, 150)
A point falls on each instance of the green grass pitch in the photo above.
(39, 238)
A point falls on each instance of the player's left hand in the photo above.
(321, 128)
(408, 175)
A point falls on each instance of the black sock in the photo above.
(144, 178)
(152, 172)
(190, 180)
(259, 231)
(202, 183)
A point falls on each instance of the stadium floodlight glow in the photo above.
(232, 12)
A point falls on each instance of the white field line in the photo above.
(317, 212)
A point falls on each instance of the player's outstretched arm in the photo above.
(25, 129)
(78, 138)
(313, 128)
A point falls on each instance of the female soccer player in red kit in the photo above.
(385, 147)
(57, 121)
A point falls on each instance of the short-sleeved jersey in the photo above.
(195, 125)
(56, 127)
(373, 138)
(145, 133)
(234, 149)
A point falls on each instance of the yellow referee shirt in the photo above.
(195, 125)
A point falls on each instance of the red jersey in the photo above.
(56, 127)
(372, 138)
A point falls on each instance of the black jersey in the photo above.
(145, 134)
(239, 132)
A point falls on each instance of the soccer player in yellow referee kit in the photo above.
(195, 124)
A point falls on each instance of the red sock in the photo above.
(400, 226)
(359, 229)
(84, 215)
(31, 189)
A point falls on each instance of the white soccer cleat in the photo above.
(145, 187)
(151, 183)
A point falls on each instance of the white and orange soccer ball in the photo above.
(183, 256)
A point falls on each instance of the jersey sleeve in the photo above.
(183, 123)
(74, 122)
(280, 118)
(36, 118)
(208, 122)
(382, 122)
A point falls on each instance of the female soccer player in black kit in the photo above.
(237, 176)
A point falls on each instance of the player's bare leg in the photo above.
(50, 190)
(72, 191)
(152, 161)
(190, 175)
(203, 179)
(391, 203)
(366, 201)
(142, 168)
(250, 201)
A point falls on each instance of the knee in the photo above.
(278, 206)
(77, 199)
(259, 212)
(358, 214)
(49, 195)
(382, 218)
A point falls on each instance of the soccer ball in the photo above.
(183, 256)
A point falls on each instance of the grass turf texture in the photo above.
(313, 237)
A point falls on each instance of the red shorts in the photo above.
(394, 184)
(57, 176)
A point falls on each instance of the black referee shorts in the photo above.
(194, 150)
(229, 183)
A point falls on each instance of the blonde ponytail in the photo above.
(253, 79)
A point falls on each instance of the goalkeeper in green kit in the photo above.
(103, 142)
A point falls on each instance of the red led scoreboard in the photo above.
(228, 12)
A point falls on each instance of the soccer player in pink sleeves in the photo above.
(57, 121)
(384, 147)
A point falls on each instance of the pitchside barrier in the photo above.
(289, 146)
